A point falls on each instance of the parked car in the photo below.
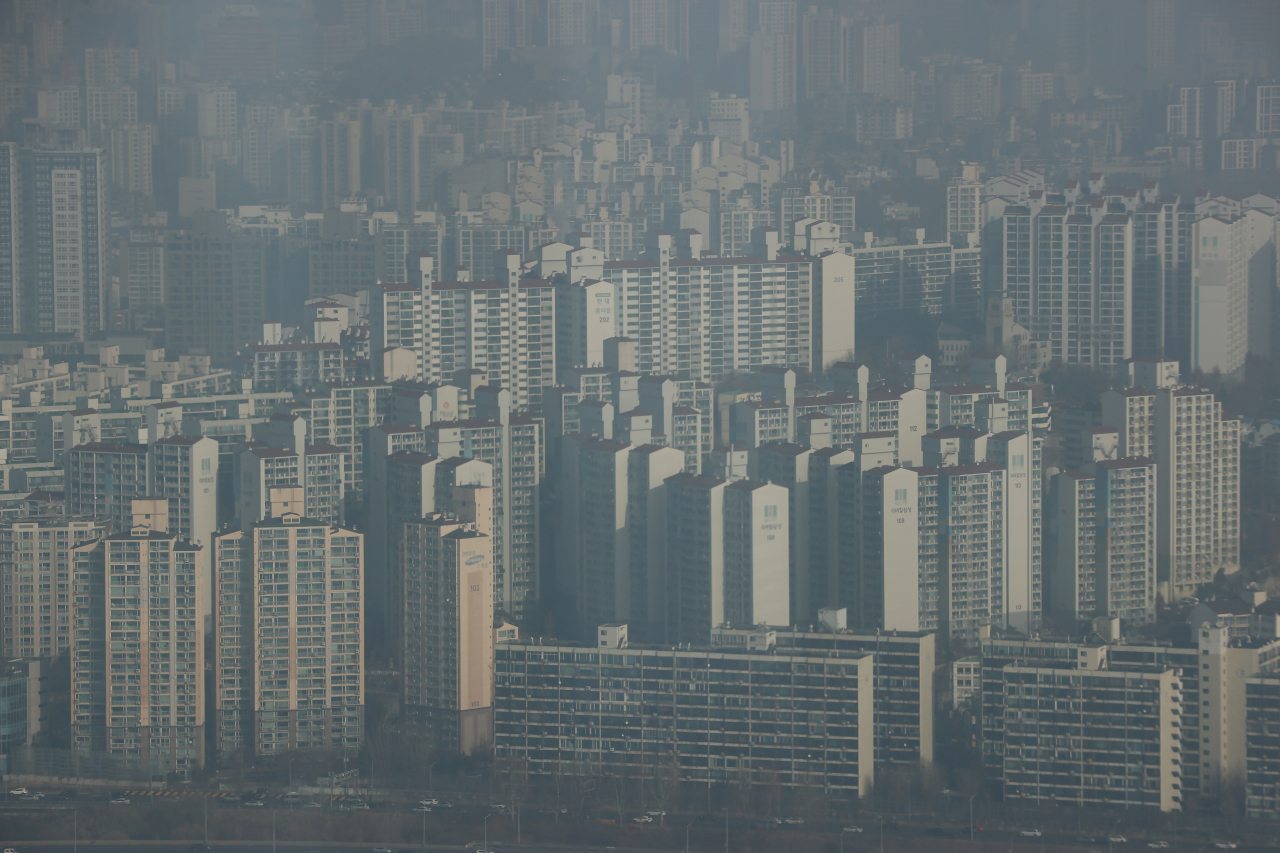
(1030, 833)
(254, 804)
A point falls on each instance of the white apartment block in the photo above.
(1229, 282)
(319, 471)
(151, 705)
(707, 318)
(184, 469)
(1267, 118)
(103, 478)
(729, 118)
(1070, 276)
(290, 637)
(928, 548)
(505, 328)
(727, 555)
(927, 277)
(964, 208)
(1197, 450)
(514, 446)
(36, 578)
(447, 643)
(837, 206)
(610, 543)
(1103, 541)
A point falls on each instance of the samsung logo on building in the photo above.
(475, 558)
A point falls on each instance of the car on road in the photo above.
(1030, 833)
(254, 804)
(644, 818)
(121, 801)
(382, 850)
(766, 823)
(1158, 845)
(1117, 839)
(1085, 839)
(10, 850)
(656, 813)
(793, 821)
(444, 804)
(852, 829)
(1225, 845)
(422, 809)
(311, 806)
(30, 798)
(432, 801)
(18, 792)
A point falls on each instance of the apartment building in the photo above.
(727, 555)
(515, 447)
(903, 663)
(298, 364)
(217, 285)
(1069, 271)
(639, 734)
(505, 328)
(36, 563)
(184, 470)
(103, 478)
(319, 471)
(1197, 451)
(929, 549)
(289, 637)
(1102, 541)
(141, 595)
(1206, 709)
(447, 613)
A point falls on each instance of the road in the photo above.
(469, 819)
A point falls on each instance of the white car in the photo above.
(852, 829)
(120, 801)
(10, 850)
(382, 850)
(1030, 833)
(1117, 839)
(422, 809)
(1158, 845)
(18, 792)
(1221, 845)
(644, 818)
(430, 802)
(656, 813)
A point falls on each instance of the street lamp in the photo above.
(971, 817)
(486, 833)
(842, 832)
(686, 838)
